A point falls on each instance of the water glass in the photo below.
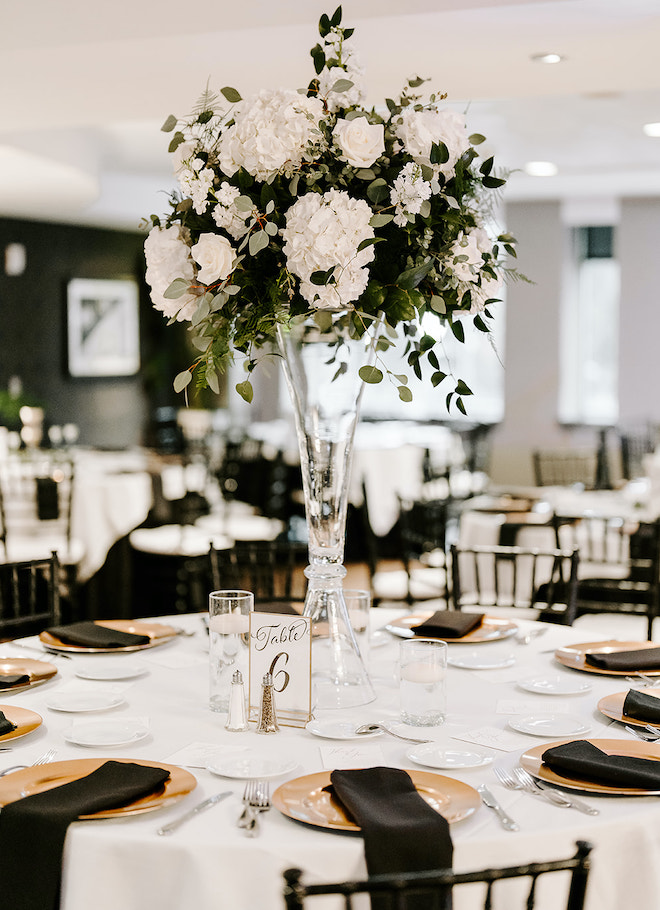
(422, 681)
(229, 627)
(358, 604)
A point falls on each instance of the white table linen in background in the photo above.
(209, 864)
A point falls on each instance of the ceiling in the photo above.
(85, 87)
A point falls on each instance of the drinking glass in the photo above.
(229, 626)
(422, 685)
(358, 604)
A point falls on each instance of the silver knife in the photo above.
(200, 807)
(490, 801)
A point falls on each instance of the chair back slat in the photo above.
(29, 596)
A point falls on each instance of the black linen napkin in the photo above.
(6, 726)
(448, 624)
(401, 832)
(33, 829)
(641, 706)
(582, 759)
(91, 635)
(8, 680)
(640, 659)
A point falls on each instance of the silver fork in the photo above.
(42, 760)
(249, 794)
(641, 733)
(560, 799)
(259, 801)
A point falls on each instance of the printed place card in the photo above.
(494, 738)
(334, 757)
(281, 645)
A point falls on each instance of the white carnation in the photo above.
(418, 130)
(271, 134)
(168, 257)
(409, 192)
(326, 231)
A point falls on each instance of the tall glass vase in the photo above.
(321, 368)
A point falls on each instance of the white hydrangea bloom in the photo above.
(418, 130)
(226, 215)
(355, 96)
(326, 231)
(409, 192)
(271, 134)
(167, 254)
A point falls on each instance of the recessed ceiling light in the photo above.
(540, 168)
(547, 58)
(652, 129)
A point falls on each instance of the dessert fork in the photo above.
(42, 760)
(560, 799)
(258, 801)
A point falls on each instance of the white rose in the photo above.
(215, 256)
(167, 255)
(361, 142)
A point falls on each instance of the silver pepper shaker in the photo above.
(267, 717)
(237, 714)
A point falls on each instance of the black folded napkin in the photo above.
(48, 505)
(33, 829)
(91, 635)
(641, 706)
(582, 759)
(274, 607)
(401, 832)
(6, 726)
(448, 624)
(8, 680)
(639, 659)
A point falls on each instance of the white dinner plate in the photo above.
(554, 685)
(76, 702)
(339, 729)
(105, 733)
(248, 766)
(549, 725)
(108, 671)
(476, 660)
(432, 755)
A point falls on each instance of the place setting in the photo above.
(612, 658)
(107, 636)
(18, 674)
(454, 626)
(16, 722)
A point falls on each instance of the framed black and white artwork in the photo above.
(103, 328)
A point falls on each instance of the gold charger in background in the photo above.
(306, 799)
(491, 628)
(38, 671)
(612, 706)
(40, 778)
(157, 633)
(532, 761)
(574, 656)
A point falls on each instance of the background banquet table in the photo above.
(122, 864)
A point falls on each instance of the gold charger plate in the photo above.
(38, 671)
(26, 721)
(612, 706)
(40, 778)
(492, 628)
(157, 632)
(574, 656)
(531, 761)
(306, 800)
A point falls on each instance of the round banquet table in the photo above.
(208, 864)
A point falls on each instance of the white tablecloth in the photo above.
(210, 865)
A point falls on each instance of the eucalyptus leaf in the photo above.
(258, 242)
(232, 96)
(245, 390)
(404, 393)
(181, 380)
(378, 190)
(380, 219)
(177, 289)
(243, 204)
(342, 85)
(271, 228)
(212, 380)
(370, 374)
(169, 124)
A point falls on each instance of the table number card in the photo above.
(281, 644)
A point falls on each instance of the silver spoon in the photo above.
(371, 728)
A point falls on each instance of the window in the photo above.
(588, 385)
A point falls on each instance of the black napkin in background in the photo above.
(33, 829)
(641, 706)
(582, 759)
(401, 832)
(640, 659)
(9, 680)
(91, 635)
(48, 504)
(448, 624)
(6, 726)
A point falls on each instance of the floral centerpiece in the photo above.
(298, 202)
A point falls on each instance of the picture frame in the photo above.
(103, 329)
